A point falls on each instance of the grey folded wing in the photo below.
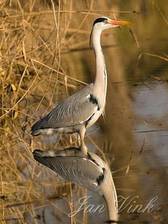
(74, 110)
(77, 169)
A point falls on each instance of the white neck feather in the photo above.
(100, 84)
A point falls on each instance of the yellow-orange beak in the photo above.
(116, 22)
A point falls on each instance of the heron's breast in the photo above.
(95, 117)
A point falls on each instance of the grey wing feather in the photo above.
(72, 168)
(74, 110)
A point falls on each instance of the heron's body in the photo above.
(90, 172)
(81, 110)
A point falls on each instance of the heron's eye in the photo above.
(104, 20)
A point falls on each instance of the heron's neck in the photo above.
(110, 196)
(100, 83)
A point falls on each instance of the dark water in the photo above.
(151, 109)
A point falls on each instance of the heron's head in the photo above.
(104, 23)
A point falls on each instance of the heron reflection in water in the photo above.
(90, 172)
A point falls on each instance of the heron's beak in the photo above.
(116, 22)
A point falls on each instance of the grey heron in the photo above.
(90, 172)
(82, 109)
